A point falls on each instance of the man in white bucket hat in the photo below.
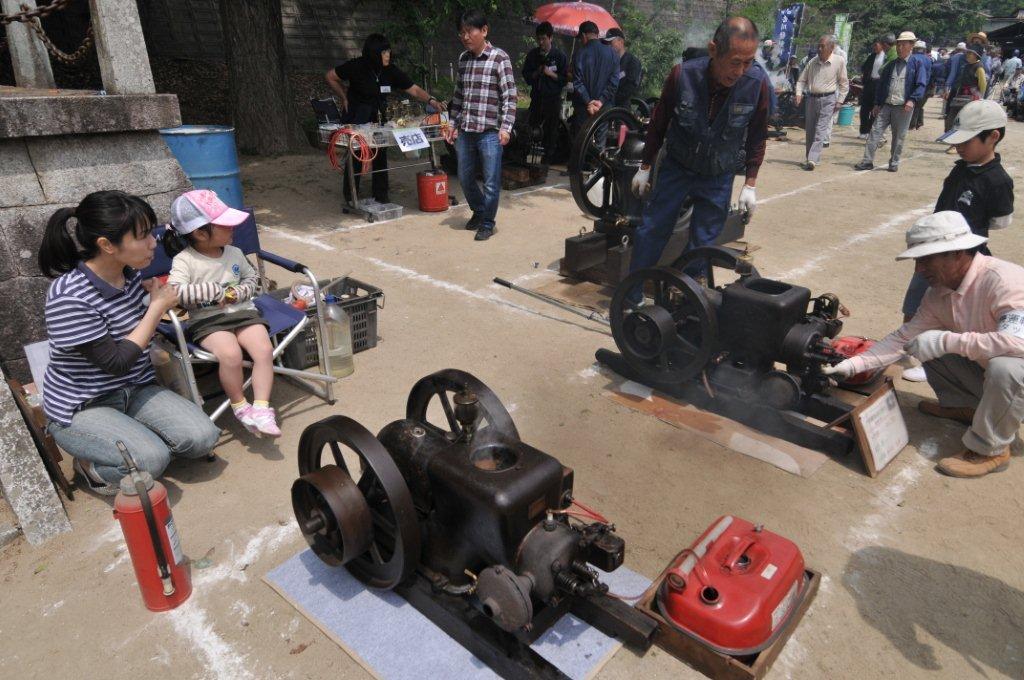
(969, 334)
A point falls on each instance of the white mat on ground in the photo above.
(392, 640)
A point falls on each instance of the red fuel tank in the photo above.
(432, 190)
(735, 588)
(850, 346)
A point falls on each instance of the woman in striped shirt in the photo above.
(99, 387)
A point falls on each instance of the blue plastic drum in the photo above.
(846, 115)
(207, 155)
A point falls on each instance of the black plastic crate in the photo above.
(361, 307)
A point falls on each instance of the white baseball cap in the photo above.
(961, 46)
(920, 44)
(197, 208)
(975, 117)
(940, 232)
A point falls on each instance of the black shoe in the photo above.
(483, 234)
(893, 168)
(864, 165)
(382, 199)
(826, 144)
(474, 223)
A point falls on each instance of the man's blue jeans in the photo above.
(710, 195)
(483, 150)
(153, 422)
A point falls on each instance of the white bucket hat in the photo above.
(906, 36)
(975, 117)
(940, 232)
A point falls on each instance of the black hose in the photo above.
(147, 510)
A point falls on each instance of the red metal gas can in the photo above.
(129, 512)
(850, 346)
(432, 189)
(735, 588)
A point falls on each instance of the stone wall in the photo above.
(53, 151)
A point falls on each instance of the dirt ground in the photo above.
(920, 574)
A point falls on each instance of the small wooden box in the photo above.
(712, 663)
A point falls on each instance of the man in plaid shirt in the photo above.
(483, 111)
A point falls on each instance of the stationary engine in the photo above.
(605, 156)
(752, 348)
(460, 516)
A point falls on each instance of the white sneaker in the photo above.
(915, 374)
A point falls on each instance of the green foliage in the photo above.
(654, 42)
(415, 27)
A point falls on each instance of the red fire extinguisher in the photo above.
(145, 516)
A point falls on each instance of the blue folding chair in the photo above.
(281, 317)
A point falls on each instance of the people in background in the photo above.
(631, 71)
(546, 71)
(977, 43)
(870, 73)
(713, 120)
(483, 112)
(216, 285)
(361, 87)
(969, 334)
(100, 388)
(900, 89)
(920, 53)
(595, 75)
(969, 85)
(823, 83)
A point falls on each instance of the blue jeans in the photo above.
(674, 185)
(153, 422)
(481, 149)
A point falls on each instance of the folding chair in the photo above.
(281, 317)
(325, 110)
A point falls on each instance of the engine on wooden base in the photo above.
(751, 349)
(477, 529)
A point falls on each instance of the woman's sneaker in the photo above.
(87, 471)
(265, 420)
(246, 418)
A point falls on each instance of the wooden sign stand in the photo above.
(879, 428)
(712, 663)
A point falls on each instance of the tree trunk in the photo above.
(261, 99)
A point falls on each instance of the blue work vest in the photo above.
(712, 147)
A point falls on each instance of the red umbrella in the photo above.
(566, 17)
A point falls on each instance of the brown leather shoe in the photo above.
(967, 463)
(963, 415)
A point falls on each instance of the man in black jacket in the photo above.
(631, 71)
(870, 72)
(545, 71)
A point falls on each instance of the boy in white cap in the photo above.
(969, 334)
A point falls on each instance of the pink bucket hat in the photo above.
(197, 208)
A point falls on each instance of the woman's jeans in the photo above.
(480, 149)
(153, 422)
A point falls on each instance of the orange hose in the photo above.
(364, 154)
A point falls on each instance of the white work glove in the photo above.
(748, 200)
(841, 371)
(641, 182)
(927, 346)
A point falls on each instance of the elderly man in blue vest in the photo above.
(713, 120)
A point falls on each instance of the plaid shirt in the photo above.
(485, 94)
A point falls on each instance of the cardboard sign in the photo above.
(410, 139)
(880, 429)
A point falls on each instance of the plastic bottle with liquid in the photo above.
(339, 338)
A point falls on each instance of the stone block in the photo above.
(42, 114)
(121, 47)
(21, 231)
(8, 266)
(23, 477)
(29, 59)
(18, 182)
(21, 314)
(69, 167)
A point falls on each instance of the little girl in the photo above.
(215, 284)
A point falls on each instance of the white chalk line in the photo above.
(815, 185)
(815, 263)
(289, 236)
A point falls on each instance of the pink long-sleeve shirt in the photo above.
(985, 317)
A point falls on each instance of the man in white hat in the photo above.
(920, 53)
(900, 89)
(969, 334)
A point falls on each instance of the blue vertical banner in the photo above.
(787, 28)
